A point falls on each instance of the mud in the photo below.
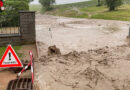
(71, 34)
(99, 69)
(53, 50)
(94, 54)
(6, 76)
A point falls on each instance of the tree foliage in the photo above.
(47, 3)
(113, 4)
(100, 2)
(11, 12)
(22, 0)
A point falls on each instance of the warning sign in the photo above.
(10, 58)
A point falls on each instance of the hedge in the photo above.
(11, 13)
(20, 0)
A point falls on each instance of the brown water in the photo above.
(80, 34)
(95, 54)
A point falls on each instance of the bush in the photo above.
(113, 4)
(21, 0)
(11, 13)
(47, 4)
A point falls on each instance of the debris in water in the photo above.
(53, 50)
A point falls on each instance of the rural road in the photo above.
(71, 34)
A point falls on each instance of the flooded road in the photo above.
(94, 54)
(71, 34)
(61, 1)
(68, 1)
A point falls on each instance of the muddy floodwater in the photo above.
(71, 34)
(61, 1)
(68, 1)
(94, 54)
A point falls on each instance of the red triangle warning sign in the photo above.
(10, 58)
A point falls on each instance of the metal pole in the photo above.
(50, 36)
(129, 33)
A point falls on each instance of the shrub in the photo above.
(11, 13)
(21, 0)
(100, 2)
(113, 4)
(47, 4)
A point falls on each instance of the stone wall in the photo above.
(13, 40)
(27, 31)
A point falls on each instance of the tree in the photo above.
(113, 4)
(28, 1)
(47, 3)
(99, 3)
(31, 0)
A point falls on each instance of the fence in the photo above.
(9, 25)
(17, 29)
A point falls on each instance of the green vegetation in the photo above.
(68, 13)
(90, 10)
(21, 0)
(113, 4)
(47, 4)
(78, 5)
(11, 12)
(16, 48)
(122, 14)
(35, 7)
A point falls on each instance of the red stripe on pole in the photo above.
(31, 63)
(24, 69)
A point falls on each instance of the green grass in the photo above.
(78, 4)
(126, 1)
(68, 13)
(123, 13)
(35, 7)
(88, 9)
(16, 48)
(93, 12)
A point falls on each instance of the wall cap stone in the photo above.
(26, 11)
(10, 35)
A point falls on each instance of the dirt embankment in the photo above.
(100, 69)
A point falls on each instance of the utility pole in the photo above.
(129, 33)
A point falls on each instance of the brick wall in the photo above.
(27, 27)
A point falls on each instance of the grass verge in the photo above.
(16, 48)
(94, 12)
(88, 9)
(35, 7)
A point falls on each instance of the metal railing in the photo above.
(9, 25)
